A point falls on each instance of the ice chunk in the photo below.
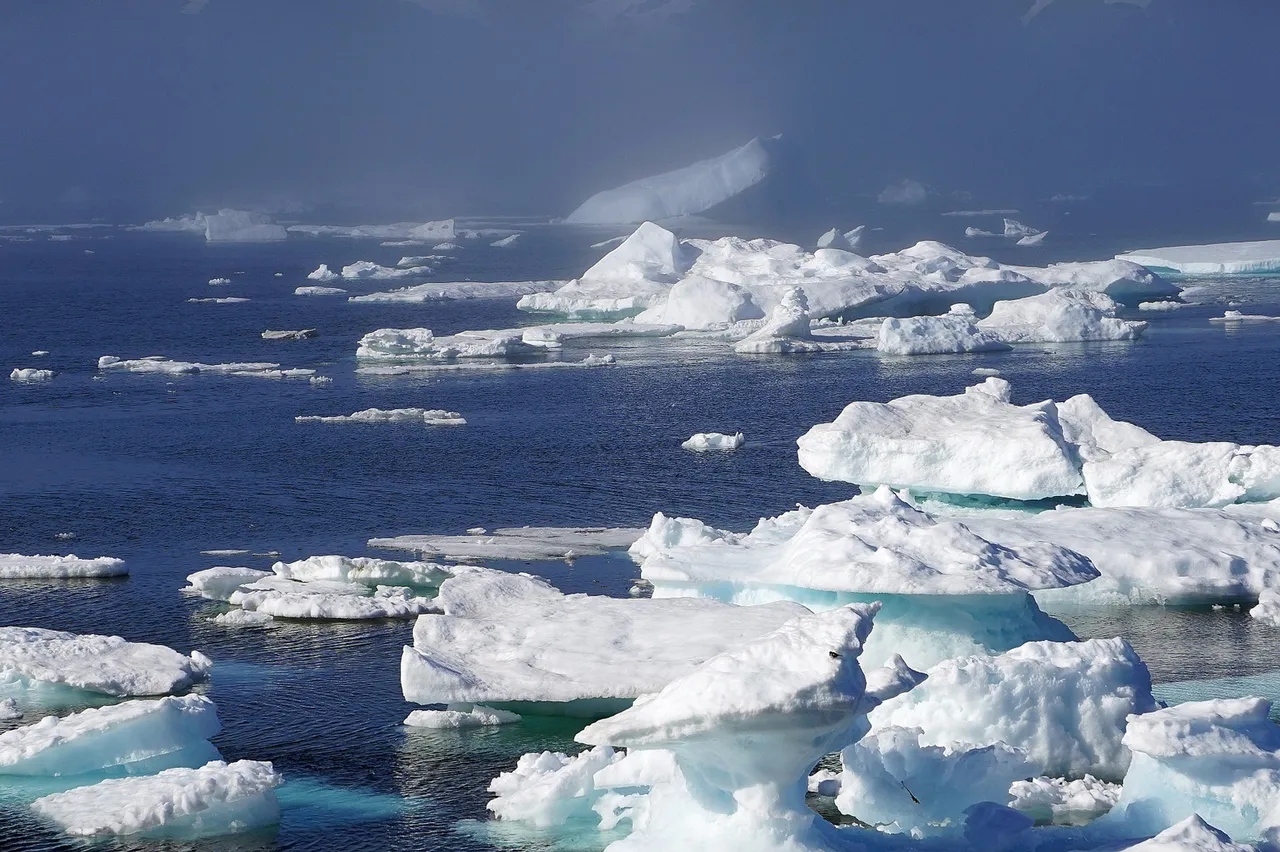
(973, 443)
(1178, 474)
(194, 224)
(330, 600)
(972, 232)
(525, 543)
(846, 241)
(1063, 703)
(448, 290)
(217, 798)
(1219, 759)
(9, 710)
(1268, 609)
(411, 232)
(323, 273)
(421, 344)
(551, 788)
(1033, 239)
(244, 618)
(289, 334)
(683, 192)
(786, 330)
(1016, 230)
(704, 441)
(221, 300)
(220, 583)
(241, 226)
(891, 781)
(319, 291)
(28, 374)
(219, 281)
(952, 332)
(1160, 306)
(593, 360)
(697, 302)
(461, 716)
(167, 366)
(17, 566)
(1057, 800)
(103, 664)
(506, 241)
(366, 570)
(1260, 257)
(363, 269)
(513, 638)
(1061, 315)
(111, 738)
(1237, 316)
(429, 416)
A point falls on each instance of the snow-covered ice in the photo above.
(513, 638)
(367, 269)
(219, 281)
(103, 664)
(704, 441)
(20, 567)
(221, 582)
(28, 374)
(1033, 239)
(1258, 257)
(428, 416)
(1238, 316)
(955, 331)
(169, 367)
(411, 344)
(444, 291)
(1160, 306)
(1268, 609)
(319, 291)
(505, 241)
(683, 192)
(520, 543)
(1061, 315)
(323, 273)
(328, 600)
(218, 798)
(1192, 834)
(845, 240)
(1016, 230)
(1057, 800)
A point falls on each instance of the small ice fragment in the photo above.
(457, 716)
(219, 281)
(27, 374)
(293, 334)
(704, 441)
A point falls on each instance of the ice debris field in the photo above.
(891, 670)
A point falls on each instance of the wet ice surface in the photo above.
(154, 470)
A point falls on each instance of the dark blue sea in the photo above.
(156, 469)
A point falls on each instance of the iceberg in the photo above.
(1191, 835)
(704, 441)
(1161, 306)
(507, 241)
(684, 192)
(103, 664)
(511, 639)
(319, 291)
(955, 331)
(413, 344)
(219, 281)
(695, 302)
(1219, 759)
(415, 232)
(218, 798)
(241, 226)
(972, 232)
(1033, 239)
(15, 566)
(1260, 257)
(27, 374)
(446, 291)
(944, 591)
(428, 416)
(367, 269)
(973, 443)
(786, 330)
(1061, 315)
(522, 543)
(1063, 704)
(1179, 474)
(125, 738)
(218, 584)
(1016, 230)
(289, 334)
(193, 224)
(323, 273)
(846, 240)
(1127, 283)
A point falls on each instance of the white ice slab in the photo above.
(427, 416)
(20, 567)
(523, 543)
(104, 664)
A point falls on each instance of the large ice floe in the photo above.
(16, 566)
(944, 590)
(1259, 257)
(169, 367)
(687, 191)
(217, 798)
(513, 641)
(327, 587)
(36, 659)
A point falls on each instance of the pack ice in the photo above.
(514, 641)
(17, 566)
(103, 664)
(1260, 257)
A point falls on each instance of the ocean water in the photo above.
(156, 469)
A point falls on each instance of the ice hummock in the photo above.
(16, 566)
(427, 416)
(683, 192)
(704, 441)
(218, 798)
(508, 639)
(103, 664)
(1255, 258)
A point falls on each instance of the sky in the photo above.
(389, 109)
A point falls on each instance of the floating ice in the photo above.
(955, 331)
(40, 352)
(217, 798)
(512, 638)
(1063, 703)
(411, 231)
(1057, 800)
(846, 241)
(167, 366)
(289, 334)
(16, 566)
(787, 329)
(507, 241)
(1268, 609)
(972, 232)
(323, 273)
(593, 360)
(695, 302)
(241, 226)
(219, 281)
(27, 374)
(523, 543)
(103, 664)
(244, 618)
(704, 441)
(366, 570)
(221, 582)
(367, 269)
(908, 192)
(1033, 239)
(461, 716)
(1178, 474)
(683, 192)
(1060, 315)
(1127, 283)
(1260, 257)
(328, 600)
(428, 416)
(221, 300)
(398, 344)
(1191, 835)
(320, 380)
(112, 738)
(1218, 759)
(1237, 316)
(1016, 230)
(9, 710)
(447, 291)
(319, 291)
(1160, 306)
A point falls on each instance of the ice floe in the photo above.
(1258, 257)
(367, 269)
(289, 334)
(319, 291)
(220, 300)
(323, 273)
(462, 716)
(520, 543)
(28, 374)
(1061, 315)
(1160, 306)
(1237, 316)
(446, 291)
(241, 226)
(683, 192)
(511, 638)
(1058, 800)
(218, 798)
(955, 331)
(1268, 609)
(20, 567)
(169, 367)
(428, 416)
(704, 441)
(505, 241)
(1033, 239)
(104, 664)
(412, 232)
(219, 281)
